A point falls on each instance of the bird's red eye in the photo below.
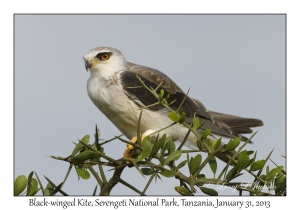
(105, 56)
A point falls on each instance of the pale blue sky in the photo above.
(234, 64)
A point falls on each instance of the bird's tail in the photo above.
(237, 124)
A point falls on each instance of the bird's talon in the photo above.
(129, 147)
(127, 153)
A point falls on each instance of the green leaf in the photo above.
(205, 133)
(280, 178)
(30, 176)
(167, 139)
(280, 169)
(85, 155)
(147, 171)
(161, 94)
(232, 144)
(34, 187)
(147, 147)
(272, 174)
(84, 174)
(257, 165)
(168, 173)
(173, 116)
(162, 158)
(196, 123)
(168, 96)
(173, 156)
(213, 164)
(80, 146)
(182, 117)
(171, 146)
(158, 145)
(49, 190)
(29, 183)
(252, 159)
(242, 162)
(250, 152)
(146, 151)
(182, 191)
(216, 144)
(209, 191)
(20, 184)
(243, 153)
(231, 173)
(180, 165)
(147, 142)
(195, 163)
(201, 176)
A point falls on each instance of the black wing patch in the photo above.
(152, 78)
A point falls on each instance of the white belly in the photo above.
(124, 113)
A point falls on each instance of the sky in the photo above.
(234, 64)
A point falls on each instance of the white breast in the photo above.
(112, 101)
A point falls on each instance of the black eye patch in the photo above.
(103, 55)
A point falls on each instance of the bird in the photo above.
(116, 90)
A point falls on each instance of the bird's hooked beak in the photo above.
(87, 64)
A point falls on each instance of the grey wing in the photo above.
(220, 124)
(152, 78)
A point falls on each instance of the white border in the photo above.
(154, 6)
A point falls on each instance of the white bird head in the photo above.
(104, 61)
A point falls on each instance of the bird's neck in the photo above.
(107, 72)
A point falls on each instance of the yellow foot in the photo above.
(129, 147)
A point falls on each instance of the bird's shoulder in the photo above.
(150, 75)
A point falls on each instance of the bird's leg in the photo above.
(129, 147)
